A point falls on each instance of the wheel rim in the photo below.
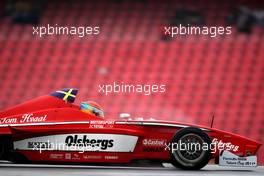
(193, 151)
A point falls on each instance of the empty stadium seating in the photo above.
(222, 76)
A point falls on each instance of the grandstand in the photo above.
(204, 76)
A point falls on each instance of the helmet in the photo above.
(93, 108)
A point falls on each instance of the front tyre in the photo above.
(191, 152)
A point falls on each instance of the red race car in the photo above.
(51, 129)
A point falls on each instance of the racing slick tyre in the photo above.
(193, 156)
(17, 158)
(2, 150)
(6, 146)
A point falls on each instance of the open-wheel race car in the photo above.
(52, 129)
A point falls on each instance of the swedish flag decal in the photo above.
(67, 94)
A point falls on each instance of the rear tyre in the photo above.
(6, 146)
(18, 158)
(2, 150)
(193, 156)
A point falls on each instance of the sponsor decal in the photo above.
(153, 149)
(76, 156)
(25, 118)
(101, 124)
(68, 156)
(154, 142)
(56, 156)
(39, 145)
(229, 159)
(80, 142)
(111, 157)
(83, 140)
(92, 157)
(224, 145)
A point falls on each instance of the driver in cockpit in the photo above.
(93, 108)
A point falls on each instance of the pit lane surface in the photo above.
(9, 169)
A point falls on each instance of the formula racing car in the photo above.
(51, 129)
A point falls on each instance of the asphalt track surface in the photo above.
(9, 169)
